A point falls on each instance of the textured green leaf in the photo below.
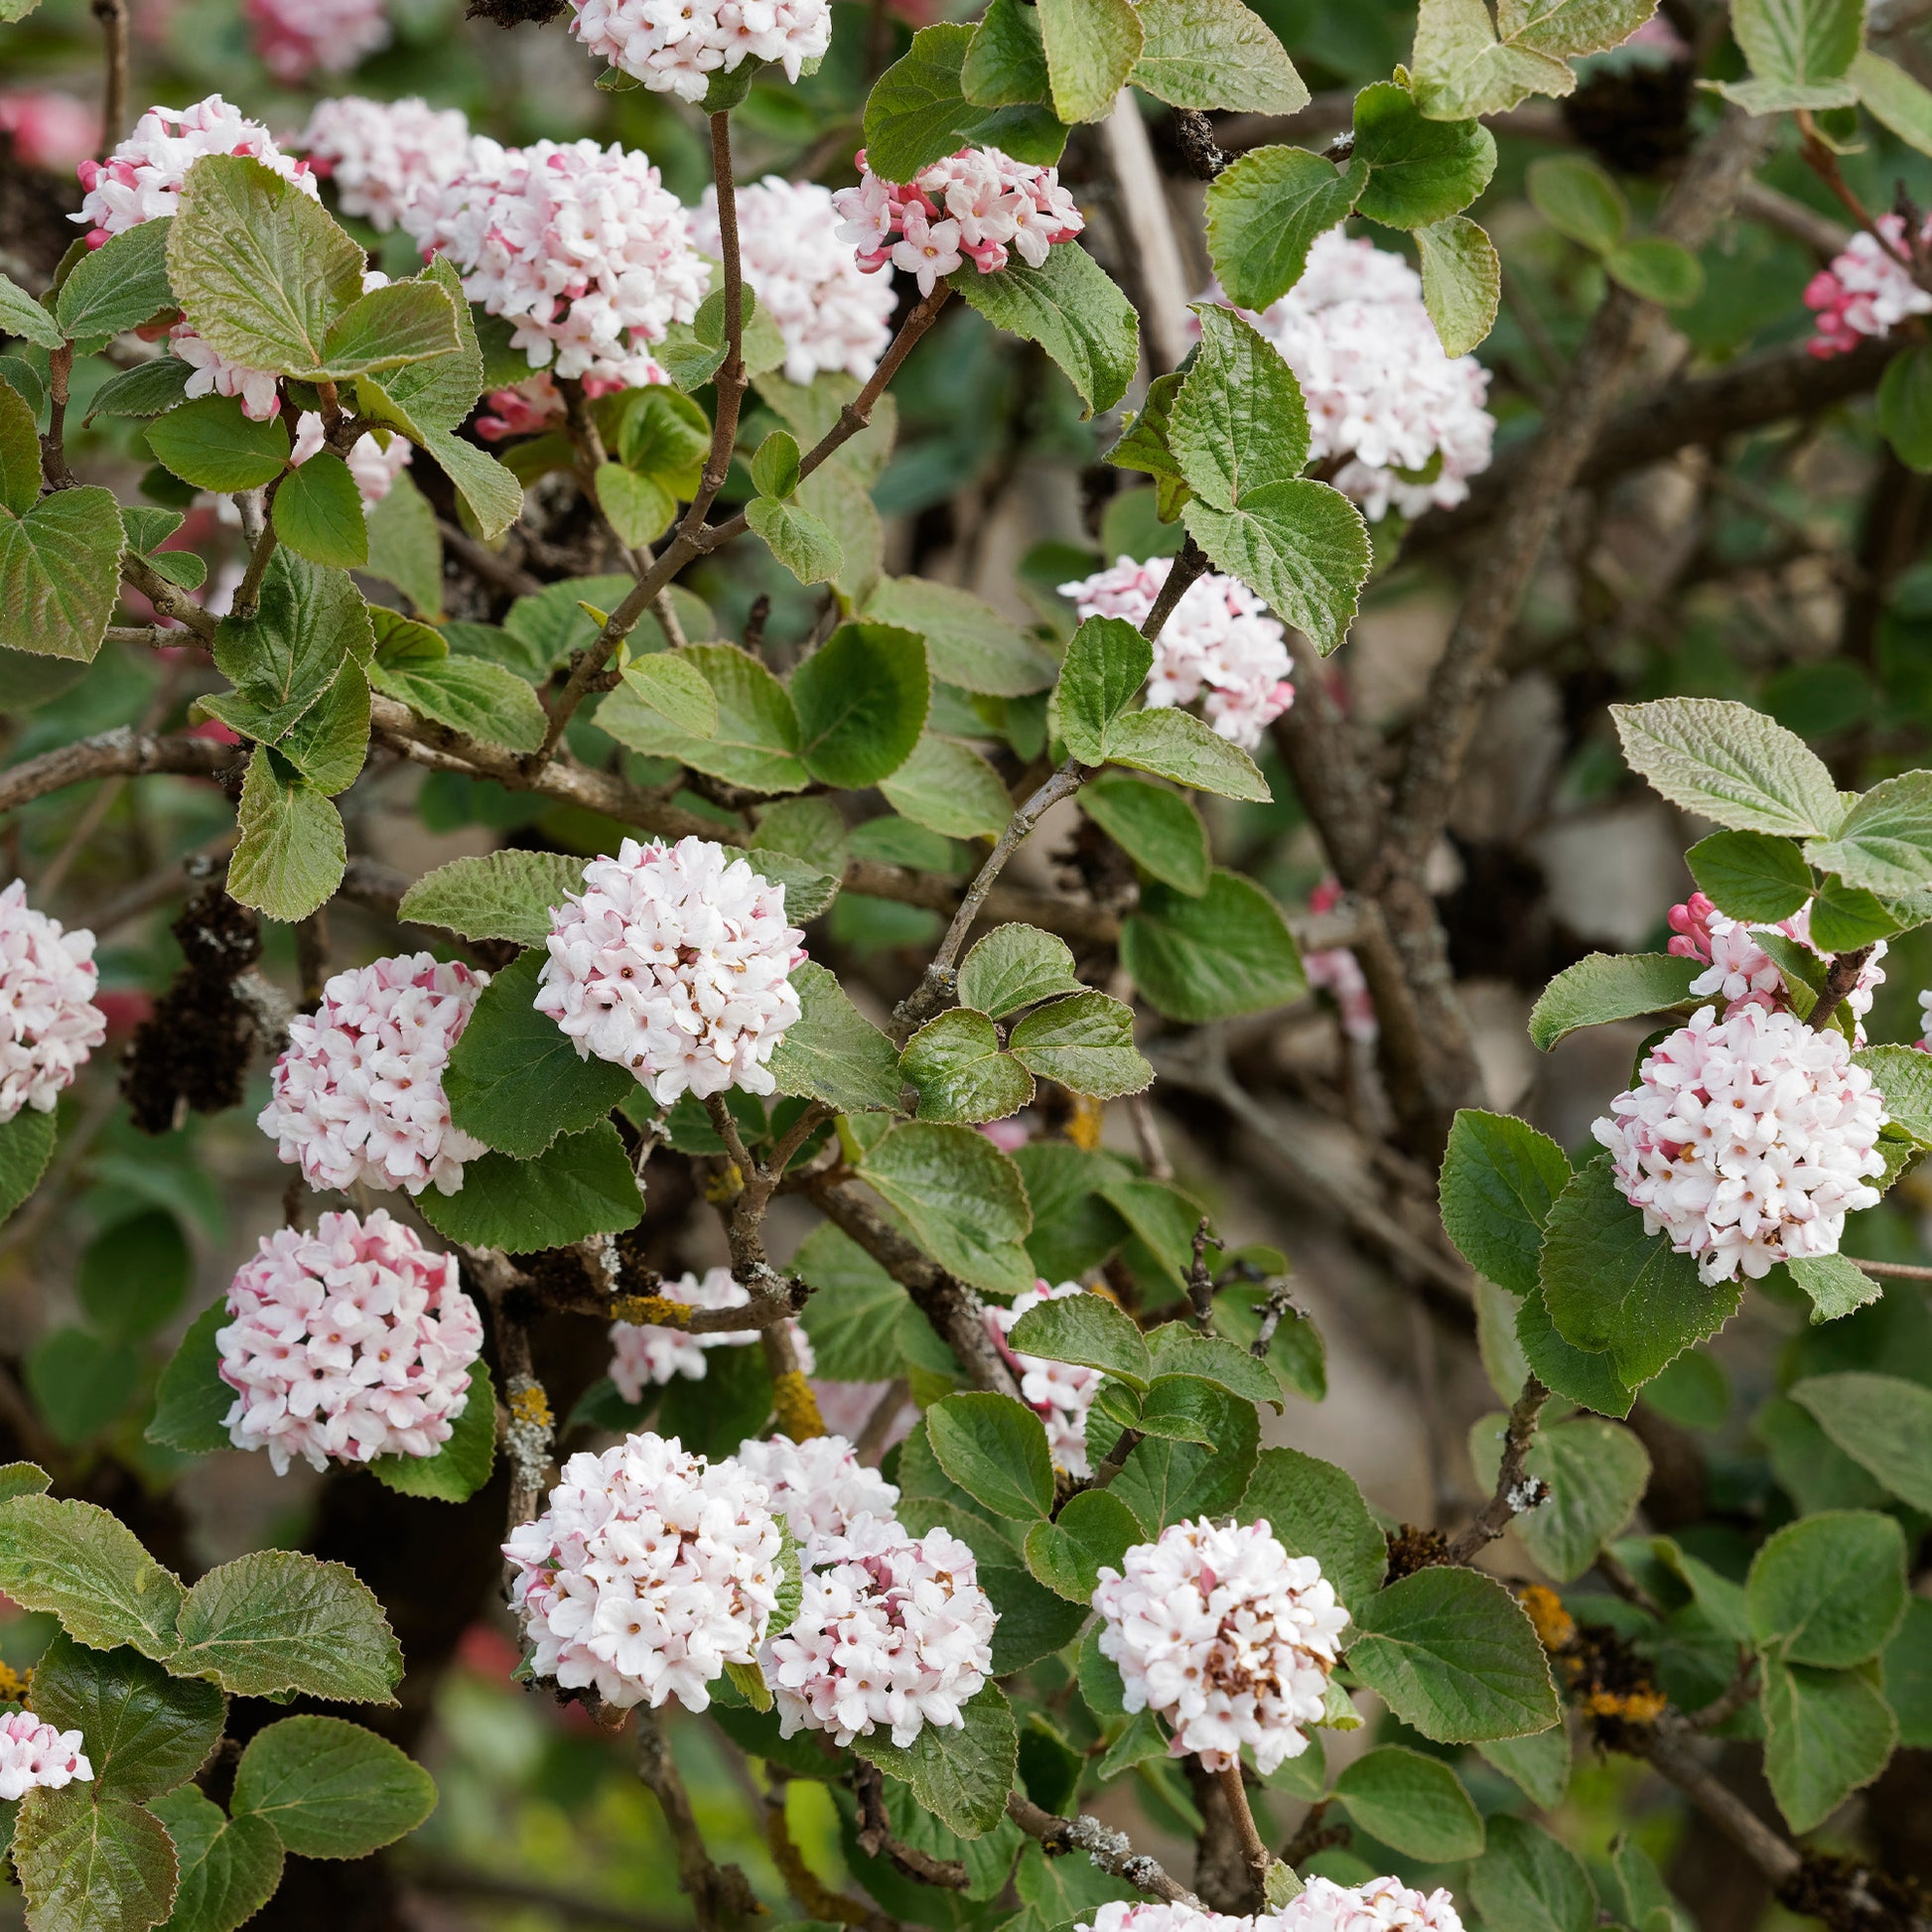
(60, 574)
(580, 1185)
(1006, 61)
(20, 314)
(1802, 50)
(916, 113)
(948, 787)
(145, 1731)
(1315, 1510)
(293, 850)
(1093, 1532)
(1215, 54)
(1419, 171)
(211, 443)
(1086, 1044)
(1263, 214)
(1750, 875)
(88, 1567)
(1071, 308)
(832, 1051)
(26, 1147)
(1166, 1481)
(962, 1073)
(756, 744)
(331, 1789)
(1731, 763)
(1106, 662)
(1212, 956)
(961, 1196)
(1499, 1177)
(308, 623)
(1178, 746)
(1088, 1330)
(1884, 1423)
(481, 700)
(1827, 1733)
(1596, 1475)
(802, 542)
(1885, 841)
(1579, 199)
(1300, 544)
(1239, 423)
(1158, 829)
(462, 1465)
(499, 896)
(961, 1776)
(1893, 98)
(1092, 47)
(406, 322)
(190, 1401)
(1016, 966)
(676, 690)
(1413, 1804)
(229, 1868)
(968, 642)
(861, 700)
(92, 1862)
(1529, 1882)
(1611, 986)
(995, 1448)
(319, 513)
(1828, 1589)
(1462, 281)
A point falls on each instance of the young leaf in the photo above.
(995, 1448)
(1419, 171)
(1303, 545)
(21, 314)
(638, 508)
(1264, 212)
(307, 623)
(406, 322)
(88, 1567)
(1827, 1733)
(1105, 665)
(916, 113)
(1462, 281)
(1239, 422)
(1499, 1179)
(774, 466)
(832, 1051)
(1086, 1044)
(230, 1867)
(1731, 763)
(1836, 1284)
(1413, 1804)
(1611, 986)
(60, 574)
(1315, 1510)
(1884, 1423)
(580, 1185)
(1800, 54)
(330, 1788)
(802, 541)
(1071, 308)
(499, 896)
(1750, 875)
(1215, 54)
(319, 513)
(1215, 956)
(470, 695)
(1178, 746)
(1828, 1589)
(1016, 966)
(1166, 1481)
(961, 1071)
(1884, 842)
(293, 850)
(861, 700)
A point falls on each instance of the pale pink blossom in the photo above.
(295, 39)
(1061, 1393)
(380, 155)
(1375, 1905)
(49, 1022)
(1866, 291)
(1337, 972)
(676, 45)
(819, 1486)
(50, 128)
(35, 1754)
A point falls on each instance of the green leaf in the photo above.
(861, 700)
(330, 1788)
(88, 1567)
(1466, 63)
(405, 546)
(437, 393)
(1596, 1475)
(1885, 841)
(481, 700)
(1611, 986)
(1315, 1510)
(1160, 830)
(1178, 746)
(967, 643)
(961, 1071)
(211, 443)
(917, 113)
(948, 787)
(278, 1620)
(1215, 54)
(134, 1275)
(91, 1864)
(492, 493)
(832, 1051)
(1909, 1675)
(1731, 763)
(1088, 1330)
(1529, 1882)
(1093, 1532)
(1451, 1653)
(1836, 1284)
(20, 453)
(1462, 281)
(1802, 50)
(1086, 1044)
(961, 1776)
(1091, 48)
(1069, 307)
(676, 690)
(406, 322)
(1828, 1589)
(1579, 199)
(229, 1868)
(329, 743)
(148, 389)
(1415, 1805)
(853, 1322)
(60, 574)
(666, 436)
(20, 314)
(638, 508)
(1499, 1179)
(1213, 956)
(1182, 1351)
(308, 623)
(79, 1383)
(1749, 874)
(1893, 98)
(190, 1401)
(1537, 1766)
(1658, 270)
(462, 1465)
(145, 1731)
(258, 267)
(293, 851)
(995, 1448)
(1106, 662)
(117, 286)
(1168, 1482)
(1827, 1733)
(319, 513)
(1016, 966)
(1884, 1423)
(1418, 171)
(498, 895)
(581, 1185)
(1263, 214)
(1006, 60)
(962, 1199)
(802, 542)
(756, 744)
(26, 1147)
(1303, 545)
(1239, 423)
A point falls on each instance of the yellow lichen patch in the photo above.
(1642, 1707)
(530, 1406)
(795, 1408)
(1555, 1627)
(725, 1185)
(657, 1310)
(1083, 1127)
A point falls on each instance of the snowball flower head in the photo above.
(832, 314)
(297, 38)
(819, 1486)
(1379, 387)
(1375, 1905)
(1742, 971)
(35, 1753)
(1748, 1140)
(1224, 1635)
(1866, 290)
(977, 205)
(380, 155)
(1151, 1915)
(675, 961)
(348, 1343)
(651, 1570)
(893, 1630)
(644, 1355)
(583, 248)
(372, 462)
(357, 1093)
(49, 1023)
(1061, 1393)
(676, 49)
(1218, 645)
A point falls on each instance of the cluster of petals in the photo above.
(1924, 1040)
(893, 1631)
(35, 1753)
(977, 205)
(1060, 1393)
(1375, 1905)
(1337, 972)
(50, 128)
(528, 409)
(351, 1342)
(1225, 1636)
(49, 1022)
(1381, 392)
(375, 460)
(819, 1486)
(675, 47)
(1218, 645)
(1155, 1915)
(649, 1572)
(380, 155)
(1748, 1140)
(1866, 290)
(1741, 971)
(675, 961)
(357, 1093)
(583, 248)
(295, 39)
(647, 1355)
(830, 313)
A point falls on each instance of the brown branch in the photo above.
(167, 598)
(1734, 1696)
(875, 1838)
(1516, 1492)
(486, 563)
(113, 15)
(1840, 978)
(1663, 1747)
(1110, 1849)
(719, 1895)
(1254, 1853)
(122, 752)
(465, 1881)
(1905, 1271)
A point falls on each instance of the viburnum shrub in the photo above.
(1012, 922)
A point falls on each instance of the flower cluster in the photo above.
(1866, 290)
(352, 1343)
(1741, 972)
(893, 1630)
(357, 1093)
(49, 1023)
(1748, 1140)
(297, 38)
(528, 409)
(651, 1570)
(583, 248)
(1380, 390)
(1061, 1393)
(35, 1753)
(977, 205)
(1339, 972)
(1375, 1905)
(375, 460)
(1152, 1915)
(676, 49)
(380, 155)
(832, 314)
(819, 1486)
(1218, 643)
(646, 1354)
(1224, 1635)
(50, 128)
(675, 961)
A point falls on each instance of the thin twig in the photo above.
(1840, 978)
(113, 15)
(719, 1895)
(1516, 1492)
(1254, 1853)
(1109, 1850)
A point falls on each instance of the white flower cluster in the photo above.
(675, 47)
(651, 1570)
(1379, 387)
(1153, 1915)
(352, 1343)
(583, 248)
(644, 1355)
(1375, 1905)
(1061, 1393)
(357, 1093)
(35, 1753)
(297, 38)
(893, 1630)
(380, 155)
(832, 314)
(1866, 290)
(1225, 1636)
(1218, 645)
(49, 1023)
(675, 961)
(1748, 1140)
(819, 1486)
(374, 463)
